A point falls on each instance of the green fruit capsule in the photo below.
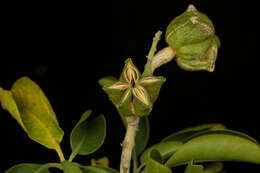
(192, 36)
(132, 94)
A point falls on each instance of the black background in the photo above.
(66, 47)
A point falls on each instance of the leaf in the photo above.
(171, 143)
(8, 103)
(100, 162)
(192, 168)
(188, 132)
(70, 167)
(88, 136)
(142, 135)
(154, 163)
(28, 168)
(166, 149)
(219, 145)
(215, 167)
(36, 113)
(210, 168)
(224, 131)
(83, 118)
(98, 169)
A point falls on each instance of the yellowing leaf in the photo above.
(100, 162)
(30, 107)
(8, 103)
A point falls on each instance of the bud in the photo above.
(132, 94)
(192, 36)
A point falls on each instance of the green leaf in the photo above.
(215, 167)
(28, 168)
(35, 113)
(83, 118)
(184, 134)
(154, 163)
(142, 135)
(219, 145)
(98, 169)
(171, 143)
(166, 149)
(69, 167)
(88, 136)
(192, 168)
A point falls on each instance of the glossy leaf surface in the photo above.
(28, 168)
(88, 136)
(216, 146)
(154, 163)
(166, 149)
(170, 144)
(184, 134)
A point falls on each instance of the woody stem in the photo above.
(128, 143)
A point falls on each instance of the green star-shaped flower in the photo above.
(132, 94)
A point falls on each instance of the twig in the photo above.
(148, 66)
(156, 60)
(153, 62)
(128, 143)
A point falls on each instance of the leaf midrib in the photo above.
(53, 140)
